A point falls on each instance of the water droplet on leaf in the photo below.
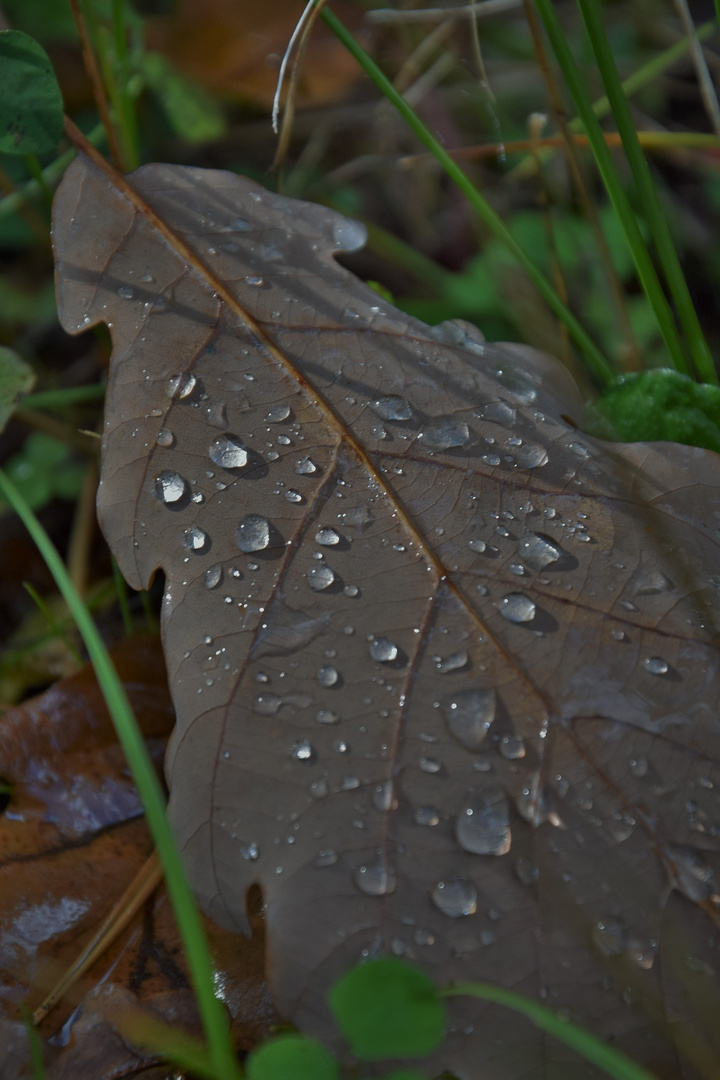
(252, 533)
(469, 714)
(228, 452)
(455, 898)
(517, 608)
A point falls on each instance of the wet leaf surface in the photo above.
(72, 838)
(445, 669)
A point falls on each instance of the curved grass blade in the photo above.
(148, 785)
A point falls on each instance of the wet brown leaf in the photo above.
(235, 49)
(445, 669)
(71, 840)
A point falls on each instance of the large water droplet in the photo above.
(327, 537)
(656, 665)
(319, 789)
(469, 714)
(180, 386)
(228, 452)
(690, 874)
(430, 765)
(327, 716)
(304, 751)
(125, 292)
(213, 576)
(383, 796)
(349, 235)
(444, 432)
(277, 414)
(533, 803)
(483, 825)
(455, 898)
(320, 577)
(377, 878)
(512, 747)
(383, 650)
(326, 857)
(165, 438)
(169, 487)
(652, 582)
(426, 815)
(527, 871)
(517, 608)
(531, 456)
(537, 552)
(195, 539)
(306, 467)
(476, 544)
(500, 412)
(391, 408)
(252, 533)
(610, 936)
(328, 675)
(456, 662)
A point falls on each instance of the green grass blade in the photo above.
(148, 785)
(643, 262)
(593, 1050)
(596, 362)
(646, 192)
(58, 399)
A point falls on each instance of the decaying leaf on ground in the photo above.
(445, 669)
(71, 838)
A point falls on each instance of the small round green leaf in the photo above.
(659, 404)
(31, 107)
(291, 1057)
(16, 378)
(387, 1009)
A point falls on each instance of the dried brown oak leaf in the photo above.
(445, 669)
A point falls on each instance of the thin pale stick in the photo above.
(142, 887)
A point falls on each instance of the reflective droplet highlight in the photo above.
(252, 533)
(537, 552)
(169, 487)
(377, 878)
(469, 714)
(391, 408)
(455, 898)
(228, 452)
(383, 650)
(517, 608)
(320, 577)
(483, 825)
(445, 432)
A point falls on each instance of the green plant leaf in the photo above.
(387, 1009)
(291, 1057)
(16, 378)
(31, 106)
(191, 112)
(44, 468)
(658, 405)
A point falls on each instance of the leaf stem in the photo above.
(593, 1050)
(148, 785)
(597, 363)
